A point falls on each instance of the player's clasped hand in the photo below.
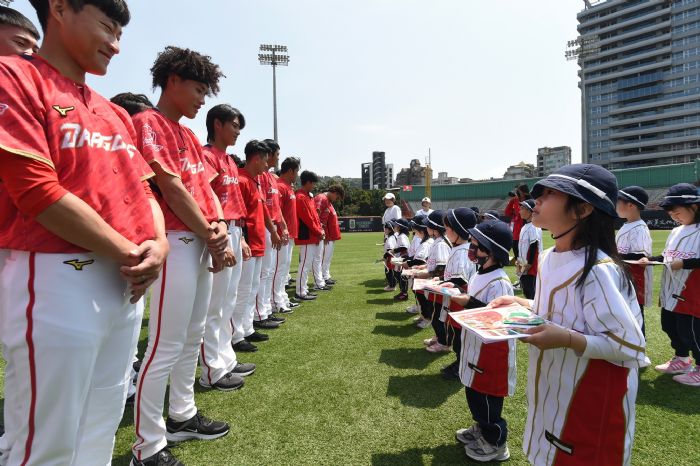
(149, 257)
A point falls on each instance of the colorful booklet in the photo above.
(420, 284)
(397, 260)
(497, 324)
(443, 290)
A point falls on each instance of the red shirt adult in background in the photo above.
(288, 204)
(512, 210)
(310, 229)
(326, 211)
(255, 205)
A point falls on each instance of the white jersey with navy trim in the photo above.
(439, 253)
(682, 243)
(528, 235)
(423, 250)
(573, 397)
(634, 238)
(415, 242)
(390, 243)
(500, 375)
(402, 241)
(458, 264)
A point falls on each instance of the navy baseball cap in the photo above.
(491, 215)
(529, 204)
(435, 220)
(590, 183)
(403, 223)
(495, 236)
(681, 194)
(634, 194)
(389, 225)
(417, 222)
(461, 220)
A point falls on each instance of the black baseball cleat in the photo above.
(308, 297)
(162, 458)
(244, 346)
(292, 305)
(137, 366)
(244, 369)
(284, 310)
(451, 372)
(266, 324)
(275, 318)
(197, 427)
(330, 281)
(257, 336)
(292, 280)
(227, 383)
(323, 288)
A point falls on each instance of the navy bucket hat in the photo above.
(634, 194)
(402, 223)
(435, 220)
(681, 194)
(590, 183)
(417, 222)
(529, 204)
(495, 236)
(461, 220)
(490, 215)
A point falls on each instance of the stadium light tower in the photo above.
(275, 55)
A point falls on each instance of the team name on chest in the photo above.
(229, 180)
(74, 136)
(674, 254)
(193, 168)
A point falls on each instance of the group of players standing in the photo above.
(590, 289)
(99, 205)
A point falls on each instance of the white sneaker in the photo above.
(675, 365)
(412, 309)
(469, 435)
(423, 323)
(389, 288)
(417, 318)
(483, 451)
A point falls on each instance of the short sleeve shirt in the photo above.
(176, 149)
(87, 140)
(268, 184)
(226, 182)
(255, 220)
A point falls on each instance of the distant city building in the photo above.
(550, 159)
(444, 178)
(640, 82)
(376, 174)
(521, 170)
(414, 175)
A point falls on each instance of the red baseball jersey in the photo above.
(268, 185)
(310, 230)
(288, 204)
(328, 217)
(226, 182)
(255, 220)
(69, 139)
(176, 149)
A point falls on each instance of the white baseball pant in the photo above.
(306, 257)
(245, 304)
(279, 279)
(263, 307)
(216, 356)
(317, 266)
(327, 258)
(70, 332)
(179, 303)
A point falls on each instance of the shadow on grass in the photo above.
(396, 330)
(422, 391)
(394, 316)
(374, 283)
(381, 301)
(443, 455)
(379, 291)
(663, 393)
(407, 358)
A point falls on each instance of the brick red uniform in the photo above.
(310, 230)
(66, 321)
(226, 184)
(255, 220)
(328, 217)
(288, 204)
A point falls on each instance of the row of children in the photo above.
(584, 362)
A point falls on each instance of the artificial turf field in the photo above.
(347, 381)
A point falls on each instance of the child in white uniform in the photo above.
(389, 246)
(401, 230)
(529, 249)
(583, 366)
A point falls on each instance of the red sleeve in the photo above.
(323, 211)
(509, 209)
(154, 142)
(308, 215)
(22, 115)
(32, 185)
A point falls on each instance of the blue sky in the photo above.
(482, 83)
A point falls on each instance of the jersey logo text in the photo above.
(186, 165)
(149, 138)
(78, 265)
(75, 137)
(186, 240)
(63, 111)
(3, 108)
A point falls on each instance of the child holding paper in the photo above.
(487, 370)
(583, 364)
(423, 241)
(389, 245)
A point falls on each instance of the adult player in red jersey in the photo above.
(248, 181)
(220, 367)
(288, 175)
(18, 36)
(195, 229)
(85, 240)
(329, 223)
(276, 236)
(310, 233)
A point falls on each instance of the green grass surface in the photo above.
(346, 381)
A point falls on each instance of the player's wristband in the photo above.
(222, 220)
